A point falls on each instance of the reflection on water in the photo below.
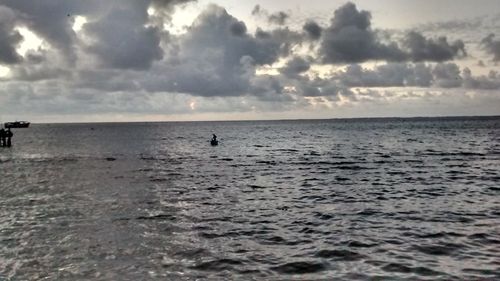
(348, 199)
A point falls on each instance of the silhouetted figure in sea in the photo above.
(9, 135)
(2, 137)
(214, 140)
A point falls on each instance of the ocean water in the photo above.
(387, 199)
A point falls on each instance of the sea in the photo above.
(341, 199)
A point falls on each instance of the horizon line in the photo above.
(279, 119)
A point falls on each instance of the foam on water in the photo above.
(347, 199)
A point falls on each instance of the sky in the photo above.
(183, 60)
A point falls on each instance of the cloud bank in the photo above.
(124, 59)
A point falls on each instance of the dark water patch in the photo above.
(484, 238)
(158, 180)
(397, 267)
(214, 188)
(368, 212)
(254, 186)
(212, 235)
(484, 273)
(218, 265)
(339, 255)
(300, 267)
(357, 244)
(148, 158)
(271, 163)
(322, 216)
(192, 253)
(396, 173)
(110, 159)
(313, 153)
(285, 150)
(425, 271)
(445, 249)
(354, 168)
(441, 234)
(431, 152)
(494, 188)
(155, 217)
(383, 162)
(413, 161)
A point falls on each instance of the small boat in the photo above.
(17, 124)
(214, 142)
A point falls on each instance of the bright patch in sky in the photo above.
(4, 71)
(79, 22)
(30, 42)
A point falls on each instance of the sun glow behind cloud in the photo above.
(78, 23)
(4, 72)
(30, 41)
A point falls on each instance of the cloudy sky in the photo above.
(141, 60)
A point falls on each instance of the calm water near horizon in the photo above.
(359, 199)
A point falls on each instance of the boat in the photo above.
(214, 142)
(17, 124)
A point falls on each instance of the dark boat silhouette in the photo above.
(214, 142)
(17, 124)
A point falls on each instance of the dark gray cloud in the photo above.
(313, 30)
(350, 39)
(423, 49)
(121, 39)
(296, 66)
(489, 82)
(447, 75)
(441, 75)
(278, 18)
(256, 10)
(238, 28)
(9, 38)
(492, 46)
(217, 57)
(388, 75)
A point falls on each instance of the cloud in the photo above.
(422, 49)
(388, 75)
(313, 30)
(218, 57)
(489, 82)
(278, 18)
(121, 40)
(296, 66)
(421, 75)
(256, 10)
(123, 59)
(350, 39)
(447, 75)
(492, 46)
(9, 38)
(52, 20)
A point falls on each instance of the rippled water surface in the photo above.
(394, 199)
